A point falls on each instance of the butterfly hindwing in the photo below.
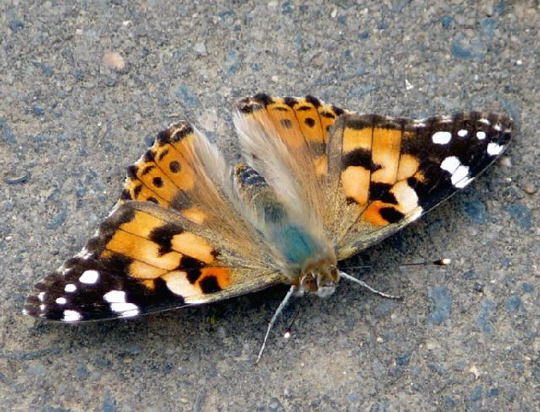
(142, 260)
(302, 123)
(284, 139)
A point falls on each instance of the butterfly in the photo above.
(316, 185)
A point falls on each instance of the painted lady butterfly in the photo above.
(318, 184)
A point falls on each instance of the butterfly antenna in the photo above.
(438, 262)
(364, 284)
(273, 320)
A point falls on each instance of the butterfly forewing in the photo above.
(394, 170)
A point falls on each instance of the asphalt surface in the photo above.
(84, 87)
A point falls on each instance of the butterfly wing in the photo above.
(363, 177)
(390, 170)
(174, 239)
(285, 140)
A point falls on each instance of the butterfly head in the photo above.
(319, 277)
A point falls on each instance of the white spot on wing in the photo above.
(406, 196)
(462, 172)
(485, 121)
(42, 307)
(84, 254)
(445, 119)
(89, 277)
(123, 307)
(61, 301)
(117, 299)
(441, 137)
(462, 133)
(71, 316)
(41, 296)
(459, 173)
(494, 149)
(450, 164)
(481, 135)
(115, 296)
(70, 287)
(497, 127)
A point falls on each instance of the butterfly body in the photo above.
(307, 262)
(316, 185)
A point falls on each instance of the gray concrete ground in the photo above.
(72, 117)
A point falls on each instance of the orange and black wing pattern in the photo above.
(172, 240)
(392, 170)
(303, 123)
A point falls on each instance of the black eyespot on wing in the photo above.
(391, 215)
(360, 157)
(192, 267)
(338, 110)
(137, 190)
(147, 170)
(149, 156)
(163, 137)
(184, 129)
(125, 195)
(174, 166)
(209, 285)
(163, 154)
(381, 191)
(327, 114)
(309, 122)
(263, 98)
(132, 172)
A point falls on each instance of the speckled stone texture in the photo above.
(84, 87)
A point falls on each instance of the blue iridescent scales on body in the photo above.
(293, 241)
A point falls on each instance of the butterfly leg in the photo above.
(364, 284)
(280, 308)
